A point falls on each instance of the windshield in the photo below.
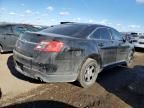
(72, 30)
(141, 37)
(134, 35)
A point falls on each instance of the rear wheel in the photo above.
(88, 73)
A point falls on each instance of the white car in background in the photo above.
(139, 42)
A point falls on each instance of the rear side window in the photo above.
(72, 30)
(5, 30)
(101, 33)
(105, 34)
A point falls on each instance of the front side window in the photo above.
(116, 35)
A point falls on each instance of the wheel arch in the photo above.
(80, 74)
(1, 45)
(94, 56)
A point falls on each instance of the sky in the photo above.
(124, 15)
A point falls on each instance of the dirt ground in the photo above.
(12, 83)
(120, 87)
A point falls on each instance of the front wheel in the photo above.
(88, 73)
(1, 50)
(130, 57)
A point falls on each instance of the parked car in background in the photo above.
(137, 40)
(134, 37)
(69, 52)
(140, 42)
(127, 37)
(9, 34)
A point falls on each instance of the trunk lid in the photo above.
(28, 41)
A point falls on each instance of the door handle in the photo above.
(101, 44)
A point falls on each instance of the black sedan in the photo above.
(71, 51)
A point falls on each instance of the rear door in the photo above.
(106, 46)
(122, 46)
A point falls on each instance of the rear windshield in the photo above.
(72, 30)
(35, 38)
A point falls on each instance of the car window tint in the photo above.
(116, 35)
(96, 34)
(105, 34)
(5, 29)
(19, 29)
(72, 30)
(31, 28)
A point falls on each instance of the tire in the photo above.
(1, 50)
(88, 73)
(130, 57)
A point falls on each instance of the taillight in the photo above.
(49, 46)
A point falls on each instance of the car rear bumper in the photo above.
(26, 66)
(44, 77)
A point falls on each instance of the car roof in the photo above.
(89, 24)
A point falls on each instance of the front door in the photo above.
(122, 46)
(105, 45)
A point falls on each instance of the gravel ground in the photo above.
(120, 87)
